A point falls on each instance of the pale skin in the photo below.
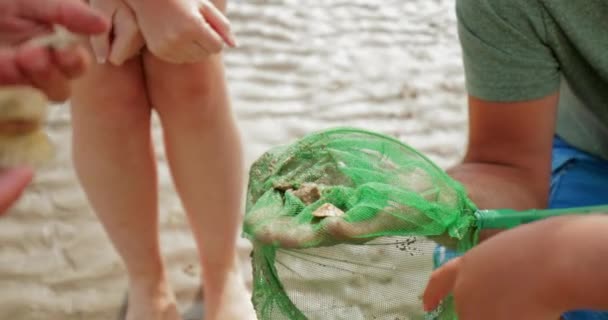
(114, 160)
(176, 31)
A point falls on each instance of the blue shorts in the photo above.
(577, 179)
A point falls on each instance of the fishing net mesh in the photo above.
(346, 225)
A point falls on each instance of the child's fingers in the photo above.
(219, 23)
(101, 43)
(101, 47)
(441, 284)
(208, 40)
(128, 40)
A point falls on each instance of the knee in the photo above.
(119, 111)
(191, 110)
(192, 94)
(115, 100)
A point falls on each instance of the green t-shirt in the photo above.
(517, 50)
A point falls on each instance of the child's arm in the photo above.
(182, 31)
(537, 271)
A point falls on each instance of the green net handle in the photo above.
(507, 218)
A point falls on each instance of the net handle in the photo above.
(507, 218)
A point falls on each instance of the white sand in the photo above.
(303, 65)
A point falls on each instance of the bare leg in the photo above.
(114, 160)
(204, 154)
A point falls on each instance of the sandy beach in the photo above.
(302, 65)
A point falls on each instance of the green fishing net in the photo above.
(347, 224)
(344, 224)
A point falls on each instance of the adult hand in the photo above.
(21, 20)
(12, 184)
(518, 274)
(182, 31)
(49, 70)
(42, 66)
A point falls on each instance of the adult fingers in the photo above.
(12, 184)
(16, 30)
(72, 61)
(10, 74)
(441, 284)
(75, 15)
(38, 66)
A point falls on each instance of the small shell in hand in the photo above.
(22, 138)
(59, 39)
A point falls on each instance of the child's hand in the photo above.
(514, 275)
(124, 40)
(182, 31)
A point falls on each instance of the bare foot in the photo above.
(236, 301)
(152, 303)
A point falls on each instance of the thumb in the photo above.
(441, 284)
(12, 184)
(74, 15)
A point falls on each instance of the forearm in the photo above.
(493, 186)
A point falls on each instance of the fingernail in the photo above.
(427, 308)
(101, 60)
(232, 40)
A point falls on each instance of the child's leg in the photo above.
(114, 160)
(204, 154)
